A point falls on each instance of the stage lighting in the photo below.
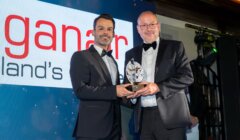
(206, 51)
(202, 37)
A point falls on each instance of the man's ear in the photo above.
(138, 29)
(93, 33)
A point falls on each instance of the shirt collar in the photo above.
(99, 49)
(157, 41)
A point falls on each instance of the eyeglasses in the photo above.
(150, 26)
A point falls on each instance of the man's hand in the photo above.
(122, 91)
(149, 89)
(194, 121)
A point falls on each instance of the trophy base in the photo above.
(136, 87)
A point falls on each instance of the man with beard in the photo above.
(94, 76)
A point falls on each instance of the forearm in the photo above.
(87, 92)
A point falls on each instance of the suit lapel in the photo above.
(159, 56)
(138, 55)
(100, 63)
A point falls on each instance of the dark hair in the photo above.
(105, 16)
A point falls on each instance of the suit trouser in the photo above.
(152, 127)
(114, 135)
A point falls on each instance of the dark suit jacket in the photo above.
(98, 106)
(172, 71)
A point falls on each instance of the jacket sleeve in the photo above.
(87, 83)
(180, 75)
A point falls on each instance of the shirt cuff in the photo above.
(134, 100)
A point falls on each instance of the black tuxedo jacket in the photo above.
(172, 71)
(98, 106)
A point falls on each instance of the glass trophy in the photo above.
(135, 75)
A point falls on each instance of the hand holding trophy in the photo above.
(135, 75)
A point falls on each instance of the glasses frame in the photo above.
(146, 26)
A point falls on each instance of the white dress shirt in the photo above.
(148, 63)
(112, 68)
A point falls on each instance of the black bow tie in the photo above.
(147, 46)
(108, 53)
